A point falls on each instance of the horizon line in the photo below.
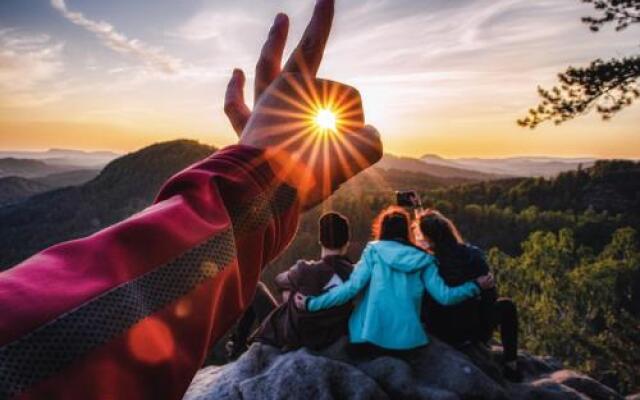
(497, 157)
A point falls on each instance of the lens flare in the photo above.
(317, 122)
(326, 120)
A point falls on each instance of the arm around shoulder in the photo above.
(443, 294)
(348, 290)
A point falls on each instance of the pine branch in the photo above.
(606, 86)
(622, 12)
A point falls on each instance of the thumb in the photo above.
(234, 104)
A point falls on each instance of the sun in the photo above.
(326, 119)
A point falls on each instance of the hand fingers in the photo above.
(307, 56)
(234, 105)
(270, 61)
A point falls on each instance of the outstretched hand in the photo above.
(314, 162)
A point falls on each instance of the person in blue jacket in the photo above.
(392, 276)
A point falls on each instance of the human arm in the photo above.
(348, 290)
(135, 307)
(444, 294)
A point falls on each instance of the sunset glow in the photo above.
(438, 77)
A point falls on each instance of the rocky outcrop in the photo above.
(436, 372)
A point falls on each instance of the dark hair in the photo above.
(392, 224)
(334, 230)
(442, 233)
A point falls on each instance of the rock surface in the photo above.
(436, 372)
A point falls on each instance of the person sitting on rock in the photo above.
(391, 277)
(288, 327)
(475, 319)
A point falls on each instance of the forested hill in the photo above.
(593, 202)
(125, 186)
(610, 185)
(15, 188)
(26, 168)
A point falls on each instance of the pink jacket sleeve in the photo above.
(130, 311)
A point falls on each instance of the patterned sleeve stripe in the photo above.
(55, 345)
(273, 202)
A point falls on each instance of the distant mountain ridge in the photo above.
(69, 178)
(535, 166)
(390, 161)
(62, 157)
(14, 189)
(52, 153)
(53, 168)
(28, 168)
(609, 185)
(473, 168)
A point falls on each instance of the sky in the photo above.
(446, 77)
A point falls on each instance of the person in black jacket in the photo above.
(288, 327)
(476, 319)
(282, 324)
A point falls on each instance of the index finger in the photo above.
(307, 56)
(269, 63)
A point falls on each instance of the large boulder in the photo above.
(436, 371)
(264, 373)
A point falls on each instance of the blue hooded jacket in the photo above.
(392, 278)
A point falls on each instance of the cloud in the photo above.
(26, 62)
(213, 24)
(152, 57)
